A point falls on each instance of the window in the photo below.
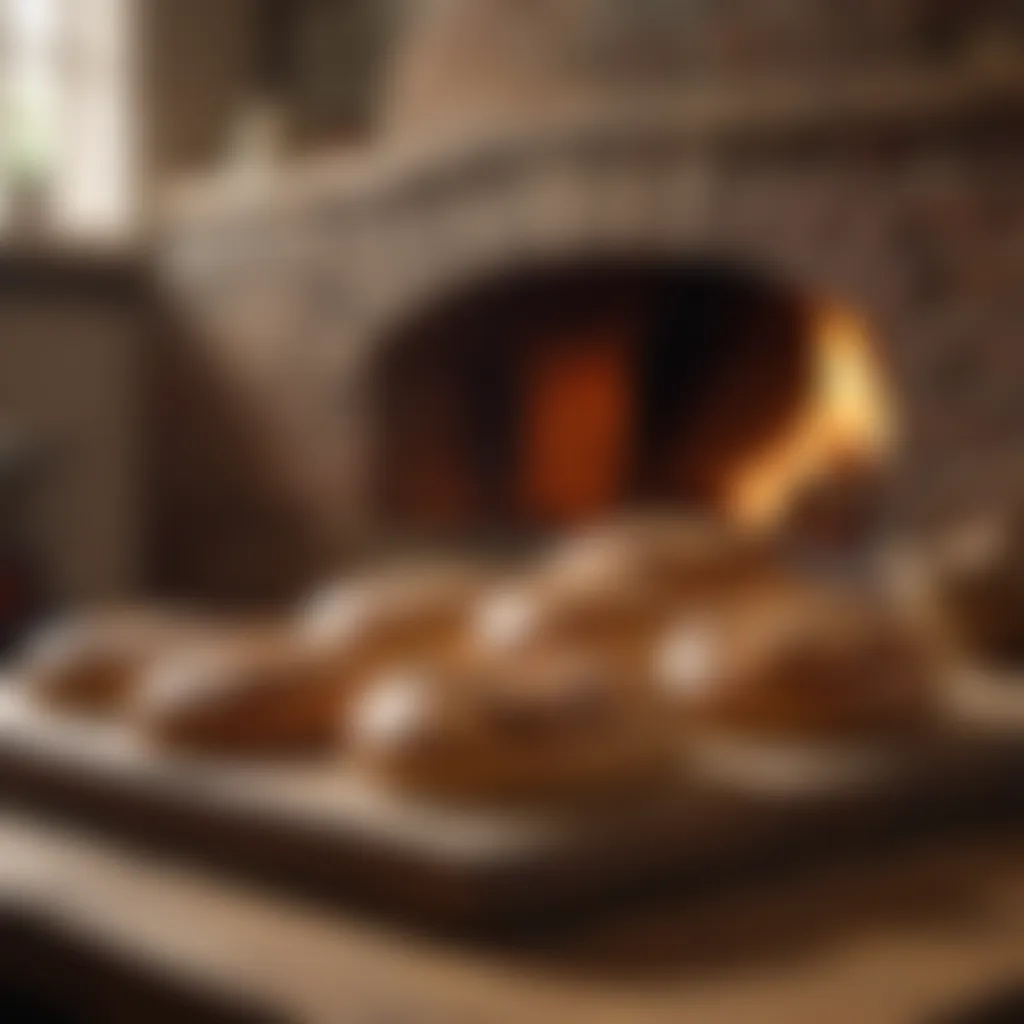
(66, 160)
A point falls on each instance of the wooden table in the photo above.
(123, 935)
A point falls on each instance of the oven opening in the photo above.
(545, 399)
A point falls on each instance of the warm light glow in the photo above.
(577, 432)
(846, 423)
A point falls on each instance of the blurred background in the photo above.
(280, 281)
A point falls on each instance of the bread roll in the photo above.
(657, 556)
(284, 690)
(555, 724)
(360, 625)
(533, 613)
(92, 665)
(806, 662)
(611, 589)
(978, 579)
(260, 694)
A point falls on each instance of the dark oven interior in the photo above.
(544, 398)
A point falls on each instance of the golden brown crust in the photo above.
(979, 586)
(251, 696)
(657, 556)
(612, 589)
(91, 665)
(285, 692)
(530, 614)
(558, 723)
(804, 662)
(363, 624)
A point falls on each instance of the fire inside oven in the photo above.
(551, 397)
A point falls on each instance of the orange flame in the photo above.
(847, 420)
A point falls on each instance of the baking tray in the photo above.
(317, 827)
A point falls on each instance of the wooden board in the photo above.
(322, 830)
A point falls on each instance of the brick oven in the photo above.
(584, 232)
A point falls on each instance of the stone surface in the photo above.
(899, 195)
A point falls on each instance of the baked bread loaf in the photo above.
(609, 590)
(283, 690)
(551, 725)
(390, 615)
(806, 662)
(657, 557)
(259, 694)
(92, 665)
(978, 581)
(535, 612)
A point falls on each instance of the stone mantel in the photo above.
(897, 98)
